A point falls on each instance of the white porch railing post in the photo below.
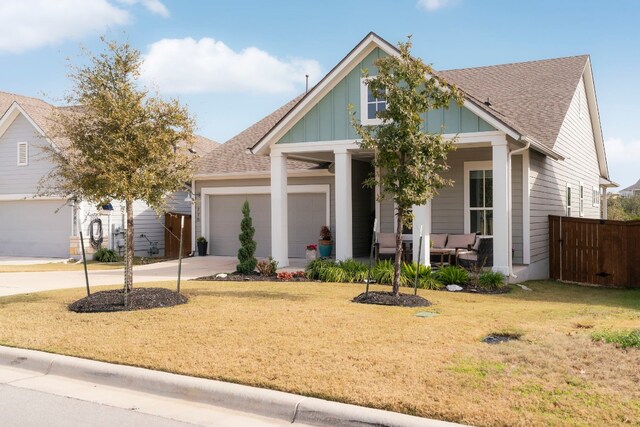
(501, 208)
(422, 217)
(344, 205)
(279, 210)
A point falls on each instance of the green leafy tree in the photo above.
(411, 158)
(246, 254)
(123, 143)
(623, 208)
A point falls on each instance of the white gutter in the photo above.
(509, 203)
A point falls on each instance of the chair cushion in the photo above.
(460, 240)
(387, 240)
(468, 256)
(438, 240)
(387, 250)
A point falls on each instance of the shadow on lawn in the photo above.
(246, 294)
(552, 291)
(22, 298)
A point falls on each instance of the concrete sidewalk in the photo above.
(266, 407)
(21, 283)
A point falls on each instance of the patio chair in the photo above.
(479, 255)
(385, 245)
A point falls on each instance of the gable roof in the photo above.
(633, 187)
(531, 97)
(529, 100)
(233, 156)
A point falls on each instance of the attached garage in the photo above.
(34, 228)
(308, 211)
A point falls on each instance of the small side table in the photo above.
(442, 253)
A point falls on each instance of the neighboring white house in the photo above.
(46, 226)
(528, 135)
(633, 190)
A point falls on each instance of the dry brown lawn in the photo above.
(308, 338)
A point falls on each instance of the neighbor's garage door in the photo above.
(307, 213)
(33, 228)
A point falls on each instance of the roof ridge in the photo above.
(517, 63)
(28, 97)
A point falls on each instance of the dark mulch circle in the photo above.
(501, 290)
(387, 298)
(138, 299)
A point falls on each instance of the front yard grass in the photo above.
(308, 338)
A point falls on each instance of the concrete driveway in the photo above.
(22, 283)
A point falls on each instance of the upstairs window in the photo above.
(370, 105)
(23, 154)
(568, 199)
(581, 199)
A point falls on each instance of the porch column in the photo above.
(422, 217)
(279, 210)
(501, 208)
(605, 203)
(344, 216)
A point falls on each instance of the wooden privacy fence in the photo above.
(172, 235)
(594, 251)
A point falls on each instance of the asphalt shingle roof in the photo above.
(531, 97)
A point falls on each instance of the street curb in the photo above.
(268, 403)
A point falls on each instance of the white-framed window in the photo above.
(478, 194)
(581, 199)
(595, 194)
(370, 105)
(23, 154)
(568, 201)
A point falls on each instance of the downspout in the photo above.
(509, 203)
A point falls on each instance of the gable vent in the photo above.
(23, 154)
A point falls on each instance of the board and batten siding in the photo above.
(329, 119)
(549, 178)
(16, 179)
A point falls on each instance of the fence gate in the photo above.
(594, 251)
(172, 235)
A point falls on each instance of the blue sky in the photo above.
(232, 62)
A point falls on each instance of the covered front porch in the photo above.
(489, 196)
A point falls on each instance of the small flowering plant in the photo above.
(312, 247)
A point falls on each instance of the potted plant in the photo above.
(311, 252)
(325, 244)
(202, 246)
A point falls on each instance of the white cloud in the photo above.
(432, 5)
(623, 159)
(153, 6)
(208, 65)
(29, 24)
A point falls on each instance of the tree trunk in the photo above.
(398, 261)
(128, 256)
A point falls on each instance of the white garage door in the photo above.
(307, 213)
(34, 228)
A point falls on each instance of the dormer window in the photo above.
(370, 105)
(23, 154)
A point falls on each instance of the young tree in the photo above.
(246, 254)
(411, 159)
(122, 143)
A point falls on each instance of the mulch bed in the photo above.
(237, 277)
(387, 298)
(502, 290)
(138, 299)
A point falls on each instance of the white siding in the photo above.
(549, 177)
(16, 179)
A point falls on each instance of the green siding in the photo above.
(329, 119)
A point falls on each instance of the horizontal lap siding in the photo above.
(549, 177)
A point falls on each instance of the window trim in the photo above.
(568, 200)
(595, 195)
(468, 167)
(364, 104)
(26, 154)
(581, 198)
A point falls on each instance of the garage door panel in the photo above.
(306, 214)
(34, 228)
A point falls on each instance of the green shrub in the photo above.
(355, 270)
(314, 268)
(246, 254)
(491, 280)
(452, 275)
(106, 255)
(333, 273)
(427, 279)
(622, 339)
(383, 272)
(267, 267)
